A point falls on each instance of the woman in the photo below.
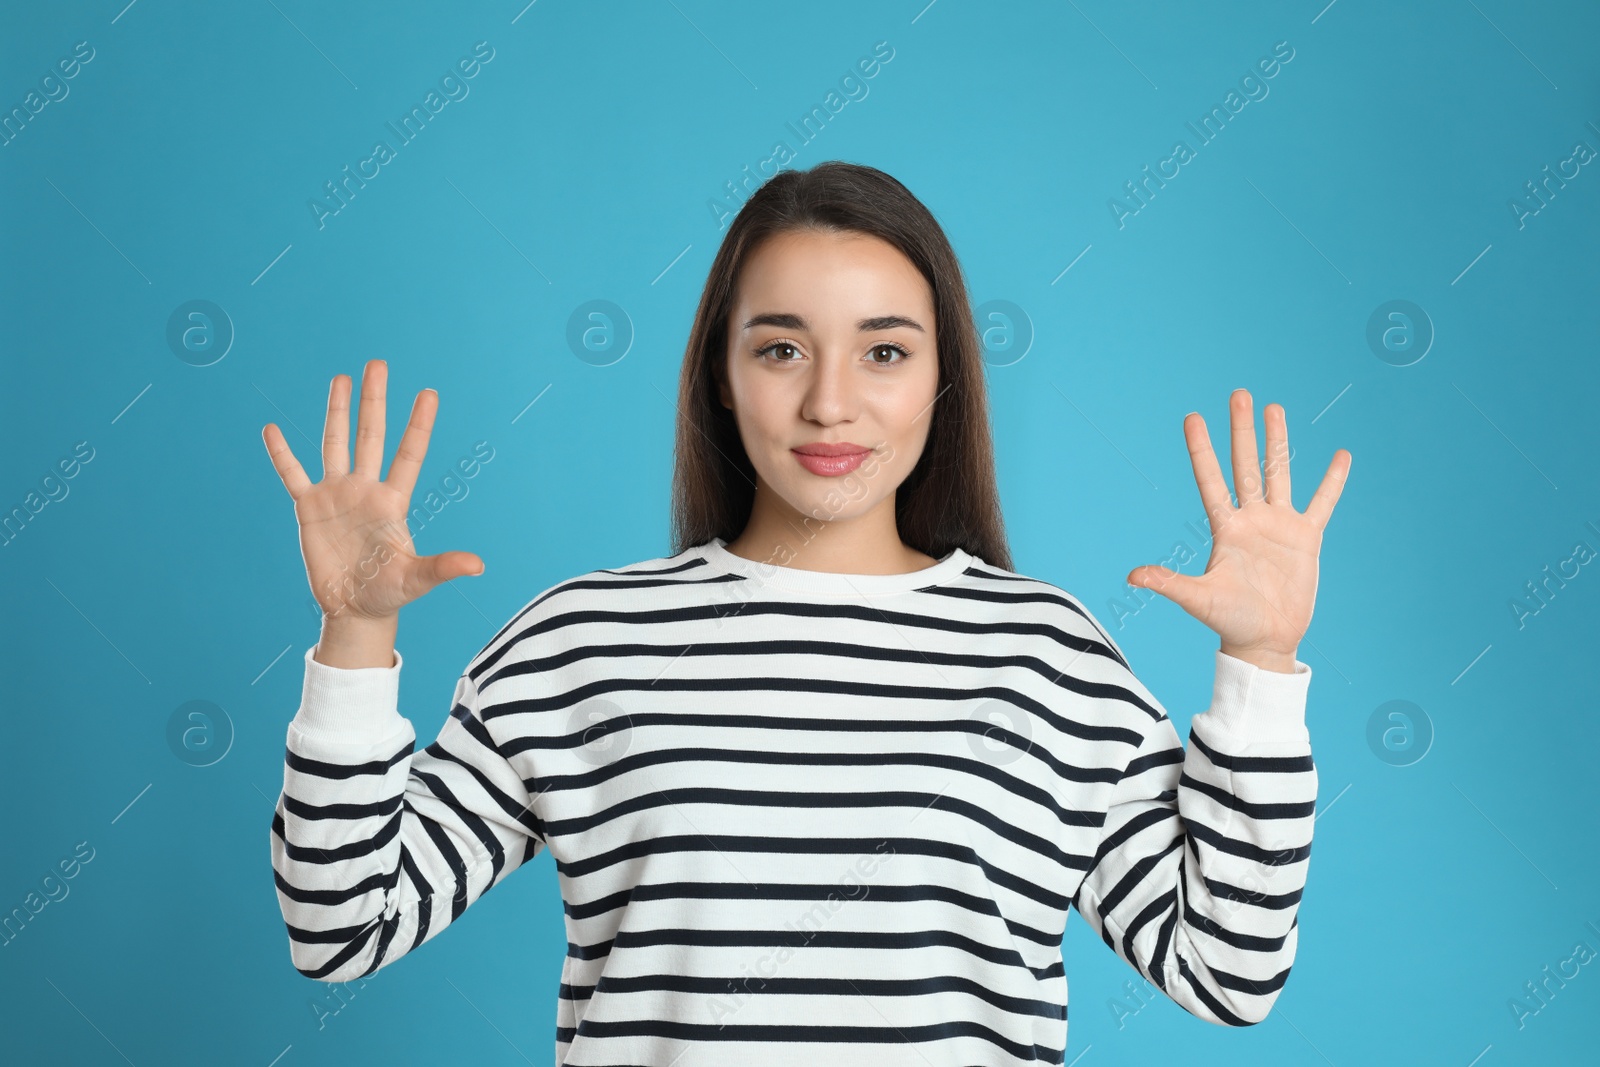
(820, 786)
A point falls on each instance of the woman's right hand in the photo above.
(353, 537)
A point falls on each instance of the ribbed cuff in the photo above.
(355, 703)
(1253, 705)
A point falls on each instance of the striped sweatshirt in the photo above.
(804, 817)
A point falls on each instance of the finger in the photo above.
(1277, 422)
(447, 565)
(369, 421)
(413, 443)
(1182, 589)
(1246, 463)
(1207, 473)
(283, 461)
(1320, 510)
(336, 428)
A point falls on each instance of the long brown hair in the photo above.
(950, 497)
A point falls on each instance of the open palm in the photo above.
(353, 537)
(1260, 584)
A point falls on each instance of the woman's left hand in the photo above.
(1260, 583)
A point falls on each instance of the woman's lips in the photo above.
(831, 466)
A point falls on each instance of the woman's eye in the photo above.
(777, 346)
(882, 355)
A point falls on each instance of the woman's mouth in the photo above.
(830, 461)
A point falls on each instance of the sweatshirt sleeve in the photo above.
(377, 847)
(1204, 852)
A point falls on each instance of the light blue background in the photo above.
(579, 167)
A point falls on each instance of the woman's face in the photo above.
(831, 341)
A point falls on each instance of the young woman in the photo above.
(822, 785)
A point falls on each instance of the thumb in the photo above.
(1178, 588)
(447, 565)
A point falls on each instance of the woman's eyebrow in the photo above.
(789, 321)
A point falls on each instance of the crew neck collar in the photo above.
(833, 583)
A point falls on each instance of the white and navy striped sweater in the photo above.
(805, 818)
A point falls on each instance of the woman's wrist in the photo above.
(352, 642)
(1267, 660)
